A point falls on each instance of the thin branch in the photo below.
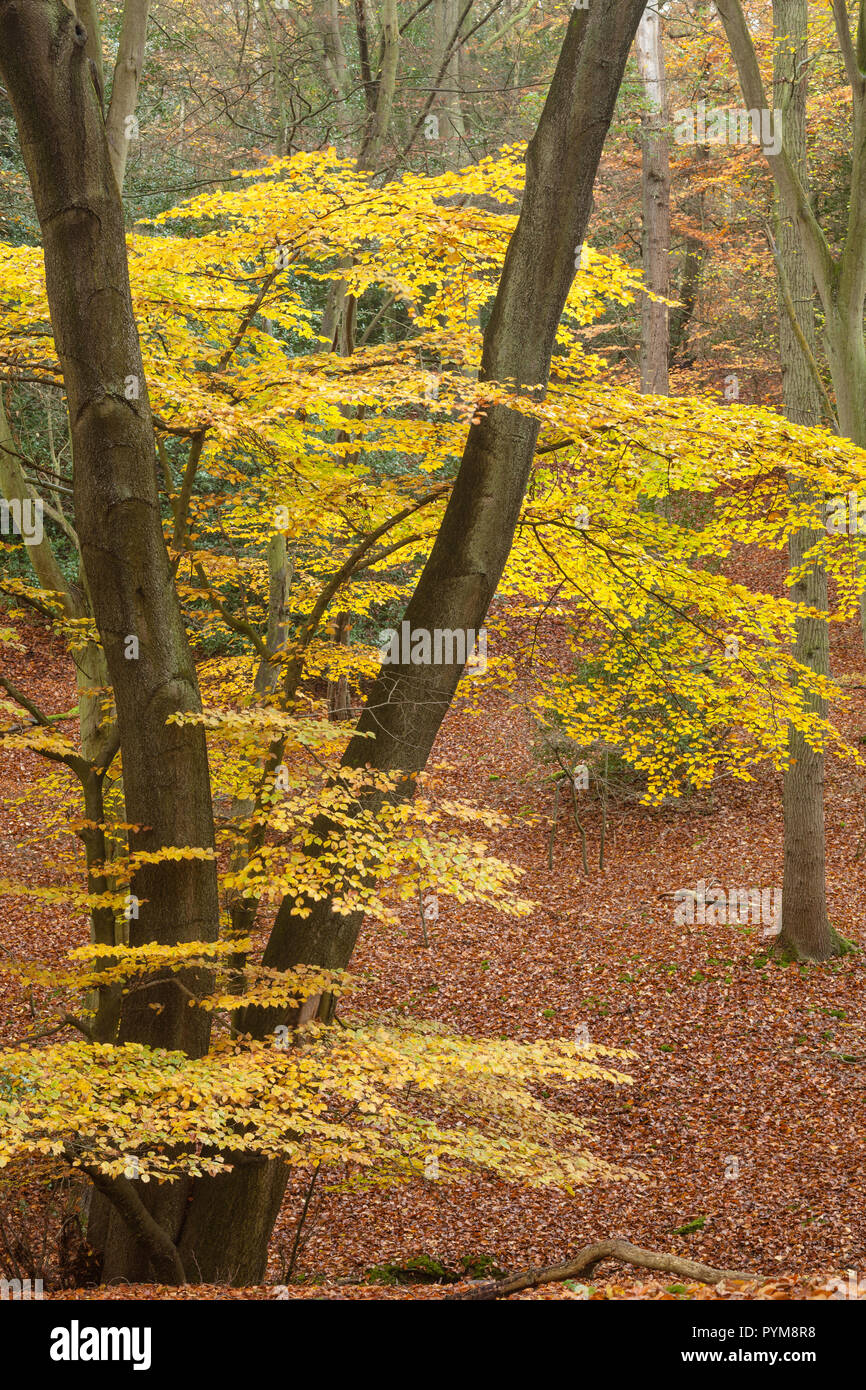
(68, 1021)
(362, 342)
(353, 564)
(45, 720)
(434, 90)
(185, 495)
(790, 309)
(238, 625)
(843, 31)
(247, 320)
(300, 1226)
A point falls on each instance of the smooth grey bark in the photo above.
(656, 203)
(805, 929)
(326, 17)
(124, 88)
(85, 10)
(839, 279)
(448, 15)
(373, 146)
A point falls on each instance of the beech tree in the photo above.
(839, 279)
(656, 199)
(219, 1224)
(805, 929)
(806, 263)
(407, 704)
(272, 417)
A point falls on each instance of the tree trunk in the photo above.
(379, 127)
(839, 279)
(447, 109)
(691, 269)
(656, 199)
(224, 1233)
(339, 703)
(326, 16)
(805, 929)
(408, 703)
(120, 121)
(46, 72)
(58, 112)
(91, 670)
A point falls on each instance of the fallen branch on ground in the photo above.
(587, 1259)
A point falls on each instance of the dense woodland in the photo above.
(432, 671)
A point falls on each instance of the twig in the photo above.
(290, 1268)
(557, 788)
(421, 912)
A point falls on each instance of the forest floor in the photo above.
(746, 1113)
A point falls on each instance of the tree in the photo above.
(225, 1222)
(840, 280)
(120, 123)
(678, 696)
(805, 929)
(59, 117)
(91, 672)
(122, 547)
(407, 703)
(656, 196)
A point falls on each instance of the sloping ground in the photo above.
(746, 1116)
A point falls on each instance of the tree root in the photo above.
(587, 1259)
(787, 952)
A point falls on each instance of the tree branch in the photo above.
(843, 31)
(587, 1259)
(790, 309)
(162, 1251)
(45, 720)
